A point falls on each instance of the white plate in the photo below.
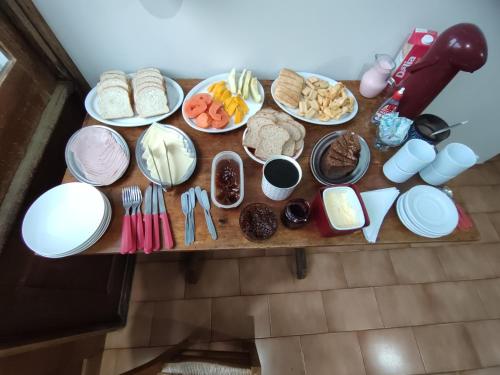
(91, 241)
(406, 221)
(63, 218)
(295, 111)
(259, 160)
(202, 87)
(175, 97)
(415, 224)
(432, 209)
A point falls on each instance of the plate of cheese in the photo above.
(314, 98)
(136, 99)
(165, 155)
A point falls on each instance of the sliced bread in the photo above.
(272, 139)
(151, 101)
(289, 148)
(110, 82)
(114, 102)
(252, 137)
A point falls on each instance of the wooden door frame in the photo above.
(36, 31)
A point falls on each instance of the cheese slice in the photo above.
(180, 158)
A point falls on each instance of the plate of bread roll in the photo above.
(314, 98)
(136, 99)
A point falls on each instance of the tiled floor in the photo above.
(364, 310)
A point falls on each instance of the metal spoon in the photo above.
(449, 127)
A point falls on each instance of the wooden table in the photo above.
(226, 221)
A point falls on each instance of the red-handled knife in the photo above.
(168, 240)
(156, 222)
(148, 221)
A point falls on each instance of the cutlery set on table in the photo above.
(188, 203)
(141, 230)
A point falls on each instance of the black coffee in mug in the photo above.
(281, 173)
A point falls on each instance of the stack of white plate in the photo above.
(427, 211)
(66, 220)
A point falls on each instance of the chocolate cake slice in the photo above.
(341, 157)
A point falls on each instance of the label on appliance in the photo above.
(415, 47)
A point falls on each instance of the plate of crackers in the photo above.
(314, 98)
(270, 132)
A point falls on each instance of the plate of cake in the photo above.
(340, 157)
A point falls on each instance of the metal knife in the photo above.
(156, 220)
(148, 221)
(202, 197)
(192, 205)
(168, 241)
(185, 210)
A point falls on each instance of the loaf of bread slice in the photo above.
(109, 82)
(254, 137)
(272, 139)
(113, 102)
(150, 94)
(151, 101)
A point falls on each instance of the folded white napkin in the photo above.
(377, 203)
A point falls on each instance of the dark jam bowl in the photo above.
(258, 222)
(426, 124)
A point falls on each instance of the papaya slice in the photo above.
(206, 98)
(193, 108)
(203, 120)
(220, 124)
(215, 110)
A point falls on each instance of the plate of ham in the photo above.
(97, 155)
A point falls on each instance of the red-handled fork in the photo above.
(137, 223)
(127, 241)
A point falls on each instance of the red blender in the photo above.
(461, 47)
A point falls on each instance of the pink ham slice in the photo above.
(100, 158)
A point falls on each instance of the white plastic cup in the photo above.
(415, 155)
(274, 192)
(454, 159)
(430, 175)
(394, 173)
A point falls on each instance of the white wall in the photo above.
(198, 38)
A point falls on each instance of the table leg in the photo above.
(193, 264)
(301, 263)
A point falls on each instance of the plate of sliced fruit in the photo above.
(224, 102)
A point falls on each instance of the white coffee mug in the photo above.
(453, 159)
(430, 175)
(415, 155)
(394, 173)
(279, 193)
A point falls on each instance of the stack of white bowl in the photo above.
(427, 211)
(66, 220)
(415, 155)
(450, 162)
